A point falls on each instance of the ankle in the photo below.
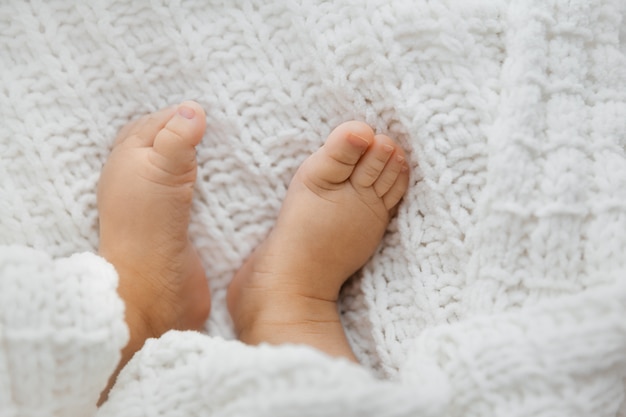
(264, 293)
(265, 308)
(286, 318)
(279, 265)
(278, 315)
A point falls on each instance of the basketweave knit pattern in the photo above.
(499, 289)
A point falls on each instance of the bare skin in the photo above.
(144, 199)
(334, 215)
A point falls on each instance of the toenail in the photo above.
(186, 112)
(358, 142)
(388, 148)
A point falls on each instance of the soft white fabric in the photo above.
(61, 331)
(500, 287)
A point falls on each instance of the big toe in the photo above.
(175, 142)
(342, 150)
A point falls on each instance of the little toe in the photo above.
(387, 178)
(175, 142)
(373, 162)
(393, 196)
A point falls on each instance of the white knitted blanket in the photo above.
(500, 287)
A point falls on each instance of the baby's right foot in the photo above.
(334, 215)
(144, 200)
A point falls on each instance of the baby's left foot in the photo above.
(334, 215)
(144, 200)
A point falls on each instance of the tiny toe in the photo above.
(373, 162)
(387, 178)
(176, 140)
(398, 189)
(343, 149)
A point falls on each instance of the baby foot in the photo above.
(144, 199)
(334, 215)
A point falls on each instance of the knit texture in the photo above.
(61, 331)
(500, 287)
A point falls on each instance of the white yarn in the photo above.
(499, 289)
(61, 332)
(260, 381)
